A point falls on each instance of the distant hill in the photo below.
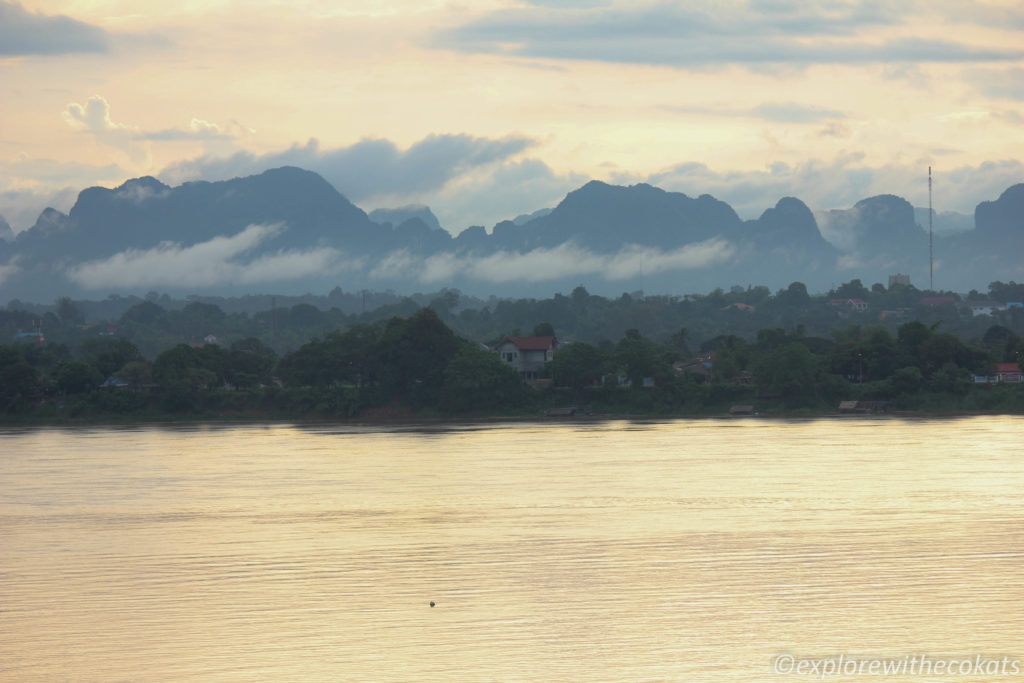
(402, 214)
(289, 231)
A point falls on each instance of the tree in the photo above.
(145, 313)
(136, 373)
(680, 341)
(78, 377)
(68, 312)
(544, 330)
(854, 289)
(638, 356)
(577, 365)
(478, 380)
(789, 371)
(250, 362)
(17, 379)
(109, 354)
(795, 295)
(413, 355)
(196, 368)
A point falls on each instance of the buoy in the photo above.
(431, 603)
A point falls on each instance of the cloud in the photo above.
(793, 113)
(998, 83)
(199, 129)
(687, 35)
(93, 116)
(215, 262)
(368, 168)
(32, 33)
(544, 265)
(29, 185)
(500, 192)
(7, 271)
(776, 112)
(22, 206)
(69, 172)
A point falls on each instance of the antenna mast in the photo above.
(931, 272)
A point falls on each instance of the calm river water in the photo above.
(692, 550)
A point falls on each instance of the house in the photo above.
(742, 410)
(35, 336)
(210, 339)
(698, 366)
(984, 307)
(852, 304)
(1005, 372)
(899, 279)
(741, 307)
(1008, 372)
(527, 354)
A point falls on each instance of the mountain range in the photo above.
(288, 230)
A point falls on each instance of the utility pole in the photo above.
(931, 272)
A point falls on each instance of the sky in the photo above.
(487, 109)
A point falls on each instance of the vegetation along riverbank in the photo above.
(815, 355)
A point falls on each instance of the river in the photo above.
(685, 550)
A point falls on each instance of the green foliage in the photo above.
(17, 379)
(109, 354)
(790, 371)
(78, 377)
(578, 365)
(800, 352)
(906, 380)
(478, 380)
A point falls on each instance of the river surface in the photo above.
(690, 550)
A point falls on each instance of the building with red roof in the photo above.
(527, 354)
(1008, 372)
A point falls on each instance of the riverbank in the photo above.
(270, 418)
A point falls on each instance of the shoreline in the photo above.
(413, 420)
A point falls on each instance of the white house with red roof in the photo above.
(1005, 372)
(527, 354)
(852, 304)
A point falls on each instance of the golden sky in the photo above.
(487, 109)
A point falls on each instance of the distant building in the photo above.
(527, 354)
(1005, 373)
(893, 315)
(852, 304)
(899, 279)
(700, 367)
(937, 300)
(984, 307)
(1008, 372)
(741, 307)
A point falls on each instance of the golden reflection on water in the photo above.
(681, 550)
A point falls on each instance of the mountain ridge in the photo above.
(289, 227)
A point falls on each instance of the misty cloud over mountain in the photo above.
(288, 230)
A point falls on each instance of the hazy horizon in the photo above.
(487, 109)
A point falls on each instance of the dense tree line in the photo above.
(157, 323)
(419, 365)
